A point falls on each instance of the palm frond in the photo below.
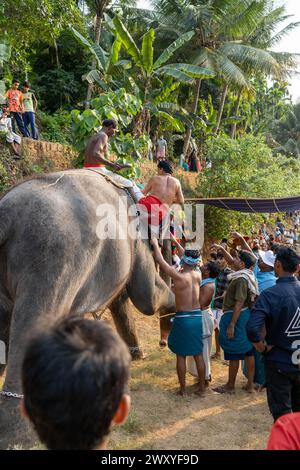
(258, 59)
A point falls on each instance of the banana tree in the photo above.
(153, 82)
(150, 75)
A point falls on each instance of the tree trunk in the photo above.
(193, 110)
(56, 53)
(236, 110)
(221, 109)
(98, 27)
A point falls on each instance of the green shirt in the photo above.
(28, 102)
(237, 291)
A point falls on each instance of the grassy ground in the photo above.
(161, 420)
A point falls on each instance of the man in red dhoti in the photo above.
(161, 192)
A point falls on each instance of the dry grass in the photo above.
(161, 420)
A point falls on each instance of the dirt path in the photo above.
(161, 420)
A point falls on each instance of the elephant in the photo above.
(53, 263)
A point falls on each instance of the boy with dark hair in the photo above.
(74, 377)
(185, 338)
(278, 310)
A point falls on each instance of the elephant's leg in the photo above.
(5, 316)
(14, 429)
(121, 310)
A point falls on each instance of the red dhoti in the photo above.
(156, 209)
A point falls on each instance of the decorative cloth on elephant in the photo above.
(239, 346)
(185, 338)
(119, 180)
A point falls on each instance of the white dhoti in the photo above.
(119, 179)
(208, 329)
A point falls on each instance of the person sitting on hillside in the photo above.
(13, 139)
(74, 377)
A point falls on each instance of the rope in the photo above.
(249, 205)
(55, 182)
(276, 205)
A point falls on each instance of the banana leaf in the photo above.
(193, 71)
(169, 52)
(147, 50)
(178, 74)
(176, 124)
(127, 40)
(95, 49)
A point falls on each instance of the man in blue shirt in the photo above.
(277, 311)
(265, 274)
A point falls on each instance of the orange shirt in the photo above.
(15, 98)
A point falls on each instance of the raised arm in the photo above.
(180, 248)
(165, 267)
(227, 255)
(244, 244)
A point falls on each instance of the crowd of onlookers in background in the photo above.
(17, 116)
(158, 151)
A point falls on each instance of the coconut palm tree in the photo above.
(266, 36)
(220, 27)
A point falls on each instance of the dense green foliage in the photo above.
(244, 168)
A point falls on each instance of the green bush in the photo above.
(55, 127)
(244, 168)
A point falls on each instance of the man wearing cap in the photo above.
(186, 336)
(265, 274)
(277, 311)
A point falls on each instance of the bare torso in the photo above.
(187, 291)
(96, 149)
(166, 188)
(206, 294)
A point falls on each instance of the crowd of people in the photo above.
(17, 116)
(158, 151)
